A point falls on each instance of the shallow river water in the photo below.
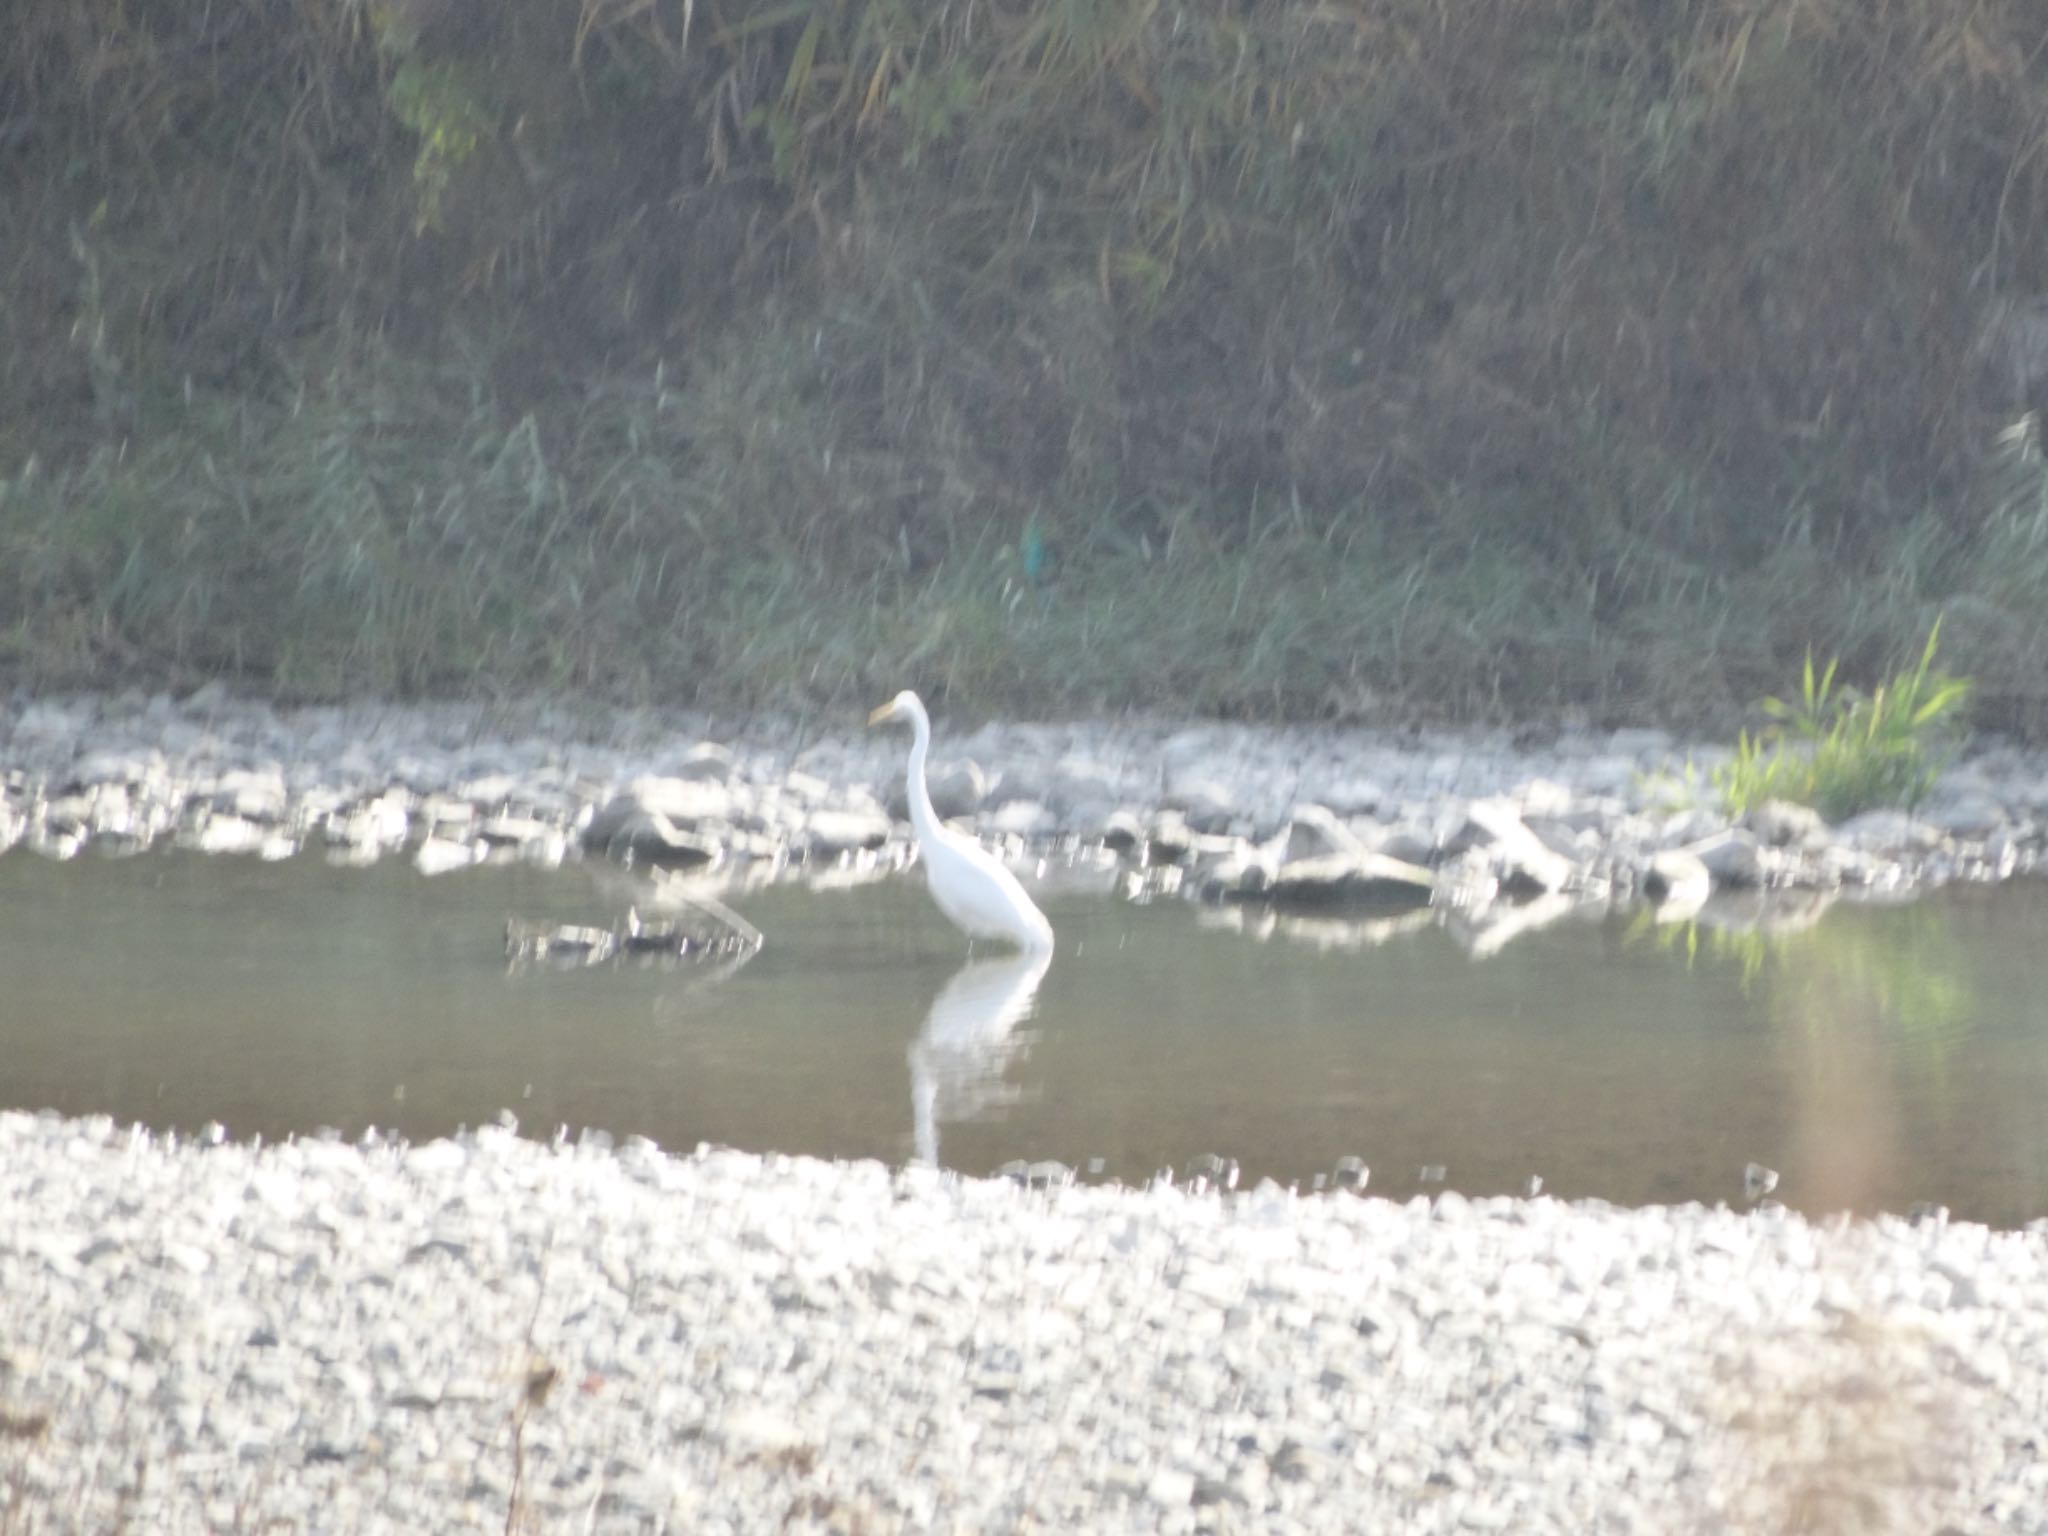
(1878, 1058)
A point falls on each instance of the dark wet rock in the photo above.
(1781, 824)
(1169, 839)
(628, 817)
(632, 834)
(1732, 858)
(664, 936)
(1674, 875)
(1122, 830)
(1369, 880)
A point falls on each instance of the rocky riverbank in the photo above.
(491, 1333)
(1501, 833)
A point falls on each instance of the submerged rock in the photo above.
(1369, 879)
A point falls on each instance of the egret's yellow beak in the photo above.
(881, 712)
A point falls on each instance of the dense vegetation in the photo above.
(1844, 751)
(1366, 357)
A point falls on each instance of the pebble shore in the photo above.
(492, 1333)
(1501, 833)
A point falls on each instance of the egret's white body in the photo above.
(971, 885)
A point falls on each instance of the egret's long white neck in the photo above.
(922, 817)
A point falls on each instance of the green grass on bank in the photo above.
(401, 531)
(1843, 750)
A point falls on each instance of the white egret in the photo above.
(971, 886)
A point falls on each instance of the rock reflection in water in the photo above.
(968, 1043)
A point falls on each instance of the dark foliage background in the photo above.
(1395, 356)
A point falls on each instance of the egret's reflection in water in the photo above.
(969, 1040)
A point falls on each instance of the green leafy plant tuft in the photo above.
(1843, 751)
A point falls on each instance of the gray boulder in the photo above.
(1970, 813)
(1674, 875)
(1518, 857)
(1732, 858)
(1369, 879)
(634, 835)
(1889, 831)
(1781, 824)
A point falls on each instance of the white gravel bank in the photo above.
(321, 1337)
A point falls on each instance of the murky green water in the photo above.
(1883, 1056)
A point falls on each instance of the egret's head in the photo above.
(905, 706)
